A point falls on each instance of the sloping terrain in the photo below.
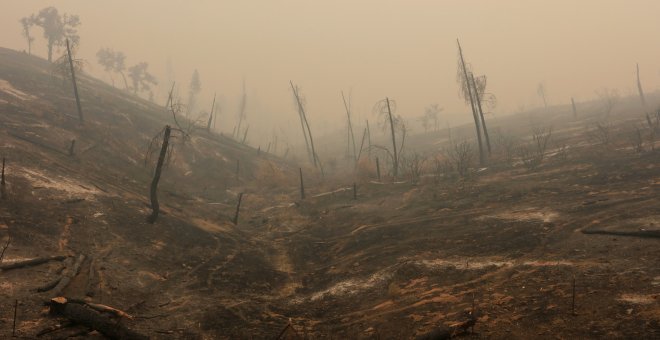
(507, 245)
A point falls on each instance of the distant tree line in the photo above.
(56, 28)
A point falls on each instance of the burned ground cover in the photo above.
(565, 249)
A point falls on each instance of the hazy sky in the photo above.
(402, 49)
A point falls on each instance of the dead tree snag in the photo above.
(464, 82)
(302, 186)
(395, 167)
(208, 125)
(154, 183)
(378, 168)
(477, 96)
(73, 79)
(238, 208)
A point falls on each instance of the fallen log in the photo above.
(54, 328)
(98, 307)
(85, 315)
(68, 275)
(31, 262)
(639, 233)
(50, 285)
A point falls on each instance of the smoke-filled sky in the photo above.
(373, 48)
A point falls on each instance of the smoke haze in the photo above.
(402, 49)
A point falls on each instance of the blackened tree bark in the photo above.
(477, 96)
(75, 86)
(395, 167)
(208, 125)
(474, 111)
(154, 183)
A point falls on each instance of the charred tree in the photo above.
(238, 208)
(154, 183)
(350, 125)
(302, 186)
(395, 166)
(378, 168)
(238, 167)
(170, 96)
(302, 123)
(73, 79)
(208, 125)
(31, 262)
(465, 82)
(364, 135)
(84, 314)
(641, 92)
(311, 143)
(369, 138)
(477, 96)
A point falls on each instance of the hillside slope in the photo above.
(509, 247)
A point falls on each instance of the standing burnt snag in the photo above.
(154, 183)
(302, 186)
(378, 168)
(238, 208)
(73, 79)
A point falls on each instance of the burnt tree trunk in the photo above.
(238, 167)
(302, 186)
(208, 125)
(477, 96)
(154, 183)
(378, 168)
(369, 138)
(364, 135)
(86, 316)
(641, 91)
(73, 79)
(482, 159)
(238, 208)
(395, 167)
(311, 143)
(350, 127)
(31, 262)
(302, 122)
